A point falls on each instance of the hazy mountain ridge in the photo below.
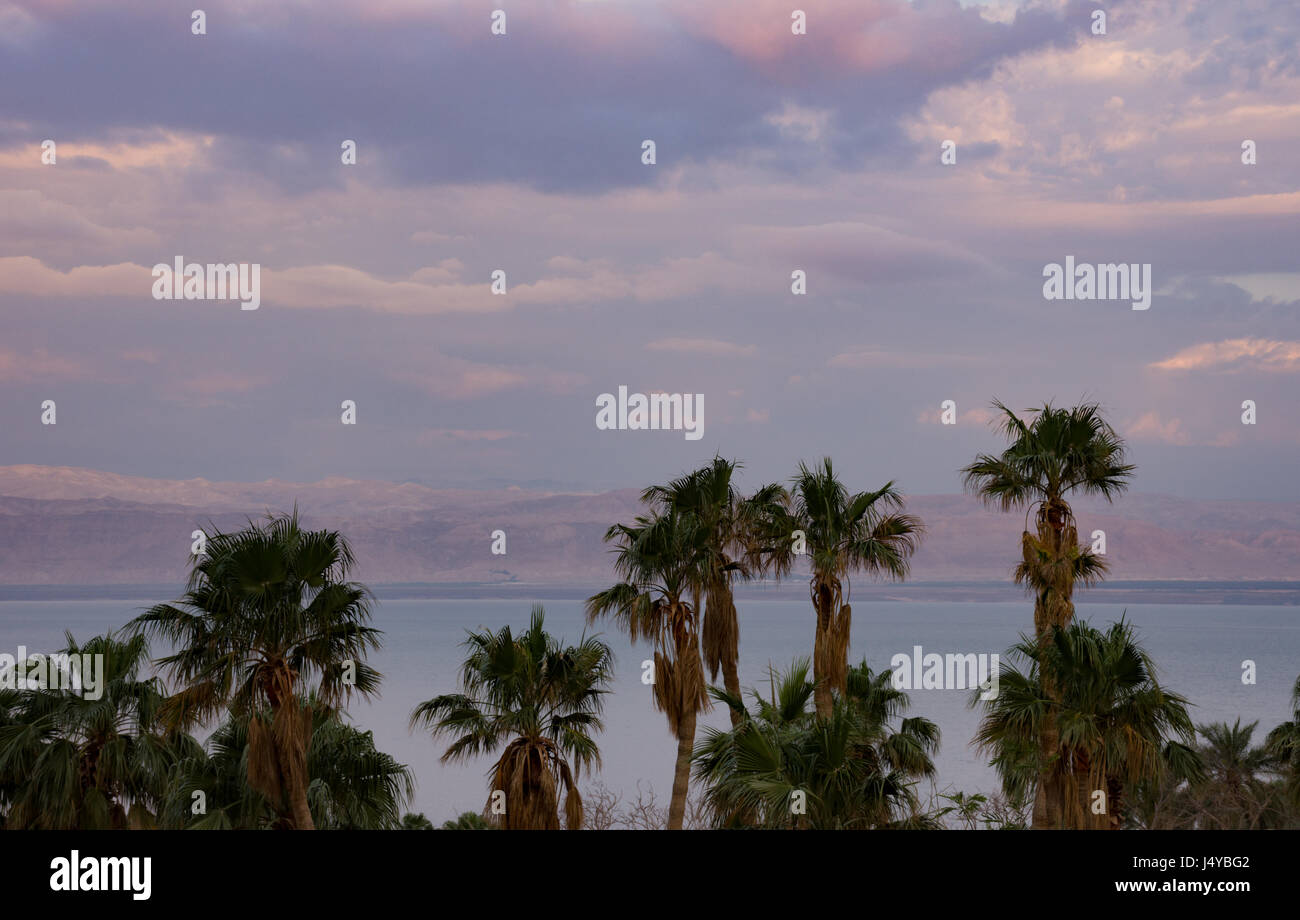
(61, 525)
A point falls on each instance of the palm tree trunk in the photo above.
(682, 772)
(291, 729)
(1051, 610)
(731, 680)
(830, 650)
(721, 641)
(302, 818)
(821, 683)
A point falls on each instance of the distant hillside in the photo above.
(61, 525)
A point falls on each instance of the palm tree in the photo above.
(543, 702)
(1055, 454)
(71, 762)
(1283, 743)
(416, 821)
(467, 821)
(731, 525)
(1239, 790)
(1235, 793)
(353, 785)
(785, 766)
(664, 561)
(1115, 721)
(269, 617)
(844, 533)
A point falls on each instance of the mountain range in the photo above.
(69, 526)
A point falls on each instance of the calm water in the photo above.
(1199, 650)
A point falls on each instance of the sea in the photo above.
(1202, 651)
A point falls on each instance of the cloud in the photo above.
(1283, 287)
(38, 365)
(977, 416)
(28, 276)
(434, 435)
(460, 379)
(702, 347)
(1149, 427)
(871, 358)
(1235, 355)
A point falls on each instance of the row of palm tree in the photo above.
(269, 640)
(1085, 717)
(700, 536)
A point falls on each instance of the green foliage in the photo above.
(268, 614)
(855, 769)
(353, 785)
(468, 821)
(1060, 450)
(69, 762)
(1116, 724)
(539, 699)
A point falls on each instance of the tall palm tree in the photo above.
(71, 762)
(844, 533)
(269, 616)
(731, 524)
(664, 561)
(353, 785)
(1055, 454)
(853, 770)
(1117, 726)
(539, 699)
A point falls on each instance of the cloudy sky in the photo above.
(523, 152)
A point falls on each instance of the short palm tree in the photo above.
(1237, 792)
(1116, 725)
(353, 785)
(75, 763)
(785, 766)
(1283, 744)
(664, 561)
(539, 699)
(844, 533)
(1054, 454)
(467, 821)
(269, 617)
(731, 523)
(1242, 787)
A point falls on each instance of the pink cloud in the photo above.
(1149, 427)
(38, 365)
(1233, 355)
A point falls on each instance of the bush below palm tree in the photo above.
(70, 762)
(785, 766)
(1115, 726)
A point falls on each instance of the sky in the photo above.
(523, 152)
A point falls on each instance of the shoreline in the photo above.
(1264, 593)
